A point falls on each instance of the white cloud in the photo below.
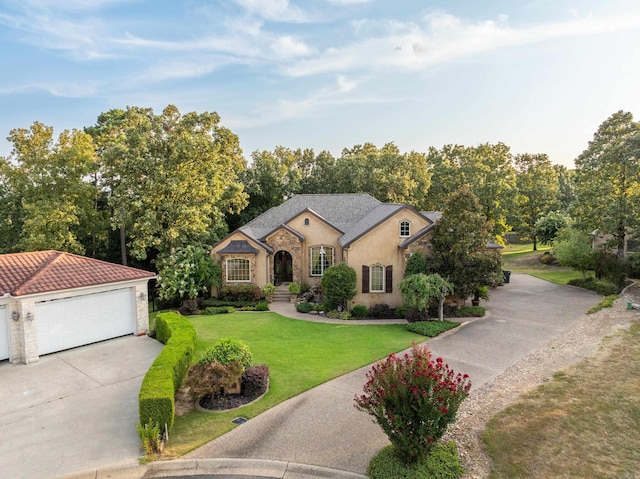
(275, 10)
(61, 89)
(287, 47)
(349, 2)
(442, 38)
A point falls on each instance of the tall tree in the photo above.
(537, 184)
(486, 169)
(384, 173)
(566, 187)
(459, 244)
(171, 177)
(49, 177)
(608, 180)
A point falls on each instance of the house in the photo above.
(51, 301)
(602, 241)
(299, 239)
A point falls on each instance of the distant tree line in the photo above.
(138, 185)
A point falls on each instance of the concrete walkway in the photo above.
(319, 433)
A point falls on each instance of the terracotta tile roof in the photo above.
(44, 271)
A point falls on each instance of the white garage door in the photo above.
(4, 333)
(70, 322)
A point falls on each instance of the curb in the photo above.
(226, 468)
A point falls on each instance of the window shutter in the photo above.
(365, 279)
(388, 279)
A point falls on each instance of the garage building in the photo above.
(51, 301)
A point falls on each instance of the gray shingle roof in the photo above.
(370, 220)
(238, 247)
(432, 215)
(341, 210)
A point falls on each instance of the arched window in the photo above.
(405, 229)
(321, 257)
(376, 283)
(238, 270)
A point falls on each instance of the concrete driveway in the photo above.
(322, 427)
(74, 410)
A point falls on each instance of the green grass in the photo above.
(523, 248)
(521, 259)
(606, 302)
(442, 463)
(300, 355)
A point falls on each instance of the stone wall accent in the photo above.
(283, 240)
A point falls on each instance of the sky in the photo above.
(537, 75)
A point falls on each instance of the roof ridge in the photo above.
(40, 271)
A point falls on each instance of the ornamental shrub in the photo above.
(227, 351)
(212, 377)
(339, 285)
(304, 307)
(413, 398)
(255, 380)
(240, 292)
(632, 265)
(360, 311)
(262, 306)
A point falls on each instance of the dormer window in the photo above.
(405, 229)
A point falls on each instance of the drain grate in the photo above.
(239, 420)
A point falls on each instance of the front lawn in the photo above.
(300, 355)
(521, 259)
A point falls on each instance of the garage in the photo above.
(70, 322)
(53, 301)
(4, 333)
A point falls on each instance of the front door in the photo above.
(282, 267)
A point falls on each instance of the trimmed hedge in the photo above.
(240, 292)
(156, 400)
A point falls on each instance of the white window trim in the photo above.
(323, 269)
(237, 280)
(408, 223)
(371, 269)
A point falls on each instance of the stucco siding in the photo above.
(380, 247)
(316, 233)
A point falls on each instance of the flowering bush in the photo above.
(413, 399)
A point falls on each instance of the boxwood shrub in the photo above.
(156, 397)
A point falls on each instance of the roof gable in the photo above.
(45, 271)
(339, 210)
(376, 217)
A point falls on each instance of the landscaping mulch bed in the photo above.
(230, 401)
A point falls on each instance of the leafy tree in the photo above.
(385, 173)
(171, 177)
(608, 180)
(566, 187)
(459, 242)
(271, 178)
(547, 226)
(48, 178)
(186, 273)
(417, 263)
(339, 285)
(572, 248)
(419, 290)
(485, 169)
(537, 184)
